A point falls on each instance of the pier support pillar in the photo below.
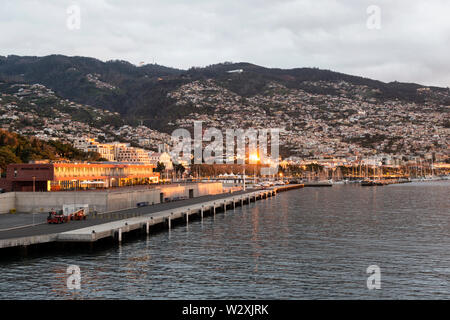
(119, 236)
(147, 227)
(234, 204)
(187, 216)
(201, 212)
(214, 208)
(224, 205)
(169, 221)
(23, 250)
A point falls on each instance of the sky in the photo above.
(387, 40)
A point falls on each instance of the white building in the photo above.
(163, 157)
(91, 145)
(132, 155)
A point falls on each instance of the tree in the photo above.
(160, 167)
(180, 168)
(7, 157)
(16, 148)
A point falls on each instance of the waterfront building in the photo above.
(72, 176)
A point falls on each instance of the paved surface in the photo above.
(118, 215)
(17, 220)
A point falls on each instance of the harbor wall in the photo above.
(128, 199)
(7, 201)
(103, 201)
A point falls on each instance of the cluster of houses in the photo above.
(123, 152)
(347, 122)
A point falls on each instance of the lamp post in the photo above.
(74, 194)
(34, 200)
(254, 158)
(244, 175)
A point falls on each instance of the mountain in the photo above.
(76, 78)
(320, 111)
(142, 92)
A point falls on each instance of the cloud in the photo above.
(412, 44)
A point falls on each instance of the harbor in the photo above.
(294, 245)
(115, 225)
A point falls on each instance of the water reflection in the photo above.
(308, 243)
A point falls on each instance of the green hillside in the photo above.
(15, 148)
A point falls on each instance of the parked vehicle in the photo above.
(267, 184)
(142, 204)
(56, 217)
(78, 215)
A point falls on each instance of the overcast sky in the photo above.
(411, 45)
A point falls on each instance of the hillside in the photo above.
(122, 87)
(15, 148)
(321, 112)
(142, 92)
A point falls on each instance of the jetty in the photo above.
(318, 184)
(114, 225)
(382, 182)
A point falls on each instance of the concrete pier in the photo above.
(105, 230)
(140, 218)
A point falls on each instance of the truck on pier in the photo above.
(66, 215)
(56, 217)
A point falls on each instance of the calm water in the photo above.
(312, 243)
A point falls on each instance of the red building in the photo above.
(73, 176)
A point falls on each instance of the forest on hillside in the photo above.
(16, 148)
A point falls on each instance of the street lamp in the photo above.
(74, 195)
(244, 175)
(34, 200)
(255, 159)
